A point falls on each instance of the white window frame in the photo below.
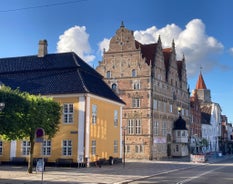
(68, 113)
(26, 146)
(138, 126)
(156, 127)
(136, 102)
(46, 149)
(130, 127)
(94, 114)
(138, 148)
(115, 118)
(67, 147)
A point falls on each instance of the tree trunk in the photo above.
(30, 160)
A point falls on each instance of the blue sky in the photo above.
(201, 29)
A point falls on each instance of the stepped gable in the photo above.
(180, 124)
(53, 74)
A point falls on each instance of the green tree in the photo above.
(24, 113)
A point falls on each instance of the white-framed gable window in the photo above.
(94, 113)
(68, 113)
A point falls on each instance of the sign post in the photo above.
(39, 137)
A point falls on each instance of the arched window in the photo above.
(114, 87)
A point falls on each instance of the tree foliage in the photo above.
(24, 113)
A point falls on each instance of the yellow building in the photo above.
(90, 127)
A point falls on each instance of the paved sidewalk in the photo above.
(115, 174)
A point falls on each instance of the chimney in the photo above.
(42, 51)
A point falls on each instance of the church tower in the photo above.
(202, 92)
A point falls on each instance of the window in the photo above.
(25, 147)
(164, 129)
(68, 113)
(115, 146)
(130, 126)
(114, 87)
(136, 85)
(156, 128)
(171, 108)
(93, 147)
(178, 133)
(177, 148)
(155, 104)
(127, 148)
(67, 148)
(46, 147)
(136, 102)
(115, 118)
(137, 126)
(1, 147)
(183, 133)
(134, 73)
(134, 126)
(108, 75)
(138, 148)
(94, 114)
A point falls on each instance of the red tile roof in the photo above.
(200, 83)
(148, 51)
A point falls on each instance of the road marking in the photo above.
(198, 176)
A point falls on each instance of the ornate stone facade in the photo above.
(153, 84)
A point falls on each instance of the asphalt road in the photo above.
(216, 173)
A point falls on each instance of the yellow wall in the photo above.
(6, 151)
(104, 132)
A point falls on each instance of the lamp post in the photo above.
(2, 105)
(124, 128)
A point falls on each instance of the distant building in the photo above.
(210, 115)
(90, 126)
(153, 84)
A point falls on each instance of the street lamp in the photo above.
(124, 128)
(2, 105)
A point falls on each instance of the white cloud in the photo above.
(76, 39)
(104, 45)
(231, 51)
(199, 48)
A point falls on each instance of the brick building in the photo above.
(153, 84)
